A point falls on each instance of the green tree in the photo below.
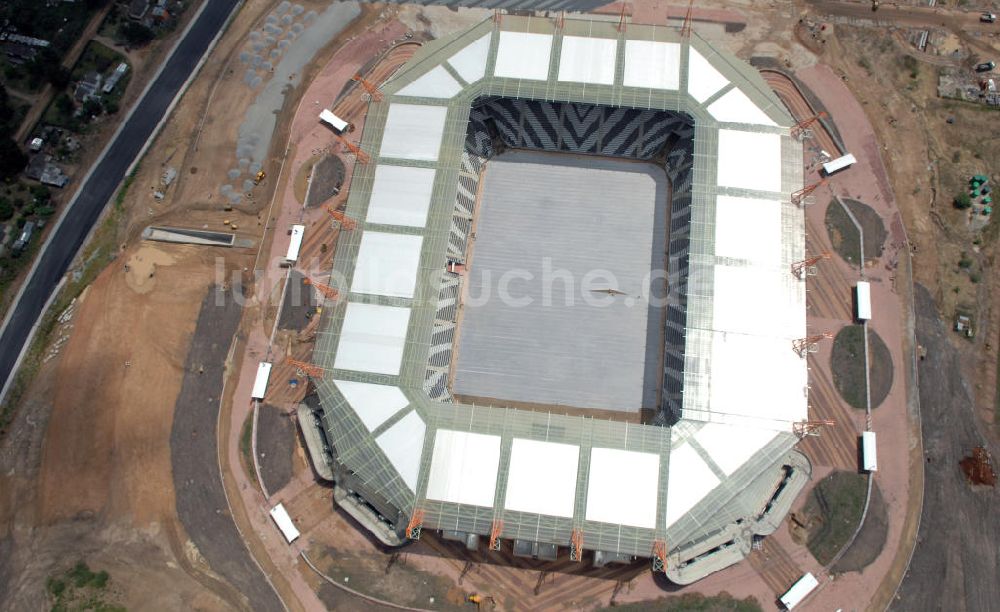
(963, 201)
(6, 210)
(12, 158)
(135, 34)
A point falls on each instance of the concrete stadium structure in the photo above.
(715, 465)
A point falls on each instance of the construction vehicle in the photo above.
(874, 5)
(986, 66)
(479, 600)
(987, 17)
(259, 177)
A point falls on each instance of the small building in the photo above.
(87, 87)
(799, 591)
(863, 301)
(41, 168)
(869, 460)
(19, 53)
(338, 124)
(36, 144)
(25, 238)
(295, 244)
(260, 382)
(284, 523)
(836, 165)
(114, 77)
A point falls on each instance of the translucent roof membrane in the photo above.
(588, 60)
(413, 132)
(401, 195)
(731, 446)
(522, 55)
(464, 467)
(735, 107)
(437, 83)
(373, 404)
(542, 477)
(690, 480)
(749, 160)
(372, 338)
(656, 65)
(748, 229)
(470, 62)
(403, 444)
(387, 264)
(703, 78)
(622, 487)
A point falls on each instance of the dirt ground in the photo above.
(85, 470)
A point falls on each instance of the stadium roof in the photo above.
(623, 485)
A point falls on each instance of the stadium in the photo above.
(483, 381)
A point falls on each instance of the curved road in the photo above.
(98, 187)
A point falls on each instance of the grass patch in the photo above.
(832, 513)
(844, 234)
(246, 447)
(80, 588)
(847, 361)
(693, 602)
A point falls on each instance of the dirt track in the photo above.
(201, 500)
(955, 566)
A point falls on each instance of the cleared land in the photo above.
(554, 233)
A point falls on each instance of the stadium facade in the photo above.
(716, 465)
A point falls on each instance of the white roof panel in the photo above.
(703, 79)
(401, 195)
(749, 160)
(588, 60)
(403, 445)
(690, 480)
(622, 487)
(656, 65)
(760, 301)
(413, 131)
(436, 83)
(470, 62)
(464, 468)
(748, 229)
(387, 264)
(373, 404)
(522, 55)
(731, 446)
(372, 338)
(757, 381)
(550, 491)
(735, 107)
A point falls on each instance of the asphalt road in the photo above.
(95, 193)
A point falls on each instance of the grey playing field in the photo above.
(555, 231)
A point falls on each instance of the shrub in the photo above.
(963, 201)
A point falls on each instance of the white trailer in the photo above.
(338, 124)
(799, 591)
(863, 301)
(260, 383)
(836, 165)
(284, 523)
(298, 231)
(869, 461)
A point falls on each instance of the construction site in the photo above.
(510, 309)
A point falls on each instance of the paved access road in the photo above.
(94, 194)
